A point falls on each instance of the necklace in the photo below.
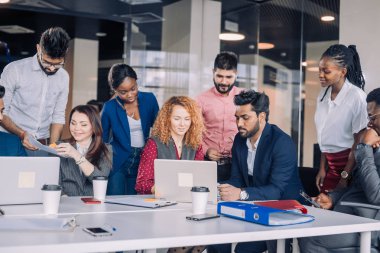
(132, 115)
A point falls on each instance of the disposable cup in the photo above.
(51, 198)
(99, 184)
(199, 196)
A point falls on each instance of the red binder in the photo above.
(290, 205)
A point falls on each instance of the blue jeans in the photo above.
(123, 181)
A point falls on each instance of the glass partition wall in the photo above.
(279, 49)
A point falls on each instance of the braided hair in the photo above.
(346, 57)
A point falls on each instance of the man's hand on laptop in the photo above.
(229, 192)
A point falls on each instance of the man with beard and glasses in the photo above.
(36, 92)
(264, 161)
(218, 113)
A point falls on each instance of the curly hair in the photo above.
(161, 129)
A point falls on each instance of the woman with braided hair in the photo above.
(341, 114)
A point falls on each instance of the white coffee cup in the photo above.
(51, 198)
(99, 184)
(199, 196)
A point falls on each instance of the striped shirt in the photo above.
(34, 100)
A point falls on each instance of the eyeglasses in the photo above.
(372, 117)
(48, 64)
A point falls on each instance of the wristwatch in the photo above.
(344, 174)
(243, 194)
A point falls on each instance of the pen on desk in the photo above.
(2, 212)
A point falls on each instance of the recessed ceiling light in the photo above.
(24, 52)
(4, 1)
(231, 36)
(327, 18)
(265, 45)
(252, 46)
(101, 34)
(283, 54)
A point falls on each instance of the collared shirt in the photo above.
(219, 118)
(34, 100)
(336, 121)
(251, 155)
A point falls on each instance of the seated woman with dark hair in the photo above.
(176, 134)
(86, 155)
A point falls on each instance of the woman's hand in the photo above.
(67, 150)
(320, 178)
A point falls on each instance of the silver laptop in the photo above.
(173, 179)
(22, 178)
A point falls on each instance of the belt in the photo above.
(45, 141)
(224, 160)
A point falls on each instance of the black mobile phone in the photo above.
(97, 231)
(200, 217)
(309, 199)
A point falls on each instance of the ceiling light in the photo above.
(24, 52)
(101, 34)
(231, 36)
(252, 46)
(265, 45)
(327, 18)
(15, 29)
(283, 54)
(4, 1)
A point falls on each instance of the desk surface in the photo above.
(163, 229)
(75, 206)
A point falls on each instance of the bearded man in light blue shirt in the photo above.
(36, 92)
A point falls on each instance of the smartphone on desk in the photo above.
(91, 201)
(309, 199)
(97, 231)
(200, 217)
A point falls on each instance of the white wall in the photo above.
(359, 25)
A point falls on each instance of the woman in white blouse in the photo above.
(341, 114)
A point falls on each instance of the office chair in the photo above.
(307, 176)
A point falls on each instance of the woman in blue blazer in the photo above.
(126, 121)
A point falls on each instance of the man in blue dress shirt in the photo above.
(10, 145)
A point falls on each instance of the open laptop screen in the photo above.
(174, 178)
(23, 177)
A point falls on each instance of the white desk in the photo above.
(75, 206)
(163, 229)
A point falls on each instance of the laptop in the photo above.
(173, 179)
(22, 178)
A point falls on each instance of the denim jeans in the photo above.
(123, 181)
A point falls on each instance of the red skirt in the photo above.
(336, 163)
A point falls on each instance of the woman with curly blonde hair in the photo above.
(176, 134)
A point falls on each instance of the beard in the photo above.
(221, 91)
(249, 134)
(47, 71)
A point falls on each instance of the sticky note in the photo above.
(185, 179)
(26, 179)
